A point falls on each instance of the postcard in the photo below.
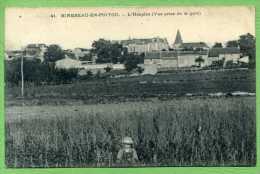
(130, 87)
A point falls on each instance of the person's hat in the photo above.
(127, 140)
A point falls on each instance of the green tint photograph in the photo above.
(130, 87)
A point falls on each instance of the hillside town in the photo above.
(150, 87)
(156, 55)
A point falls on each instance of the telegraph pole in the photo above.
(22, 76)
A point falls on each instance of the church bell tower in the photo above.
(178, 40)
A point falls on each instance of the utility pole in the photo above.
(22, 76)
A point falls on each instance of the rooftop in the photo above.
(215, 52)
(194, 45)
(161, 55)
(83, 49)
(143, 41)
(178, 38)
(36, 45)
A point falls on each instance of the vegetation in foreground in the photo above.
(181, 132)
(134, 88)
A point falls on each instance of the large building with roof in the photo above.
(163, 59)
(226, 54)
(186, 54)
(140, 46)
(188, 46)
(194, 46)
(175, 58)
(183, 54)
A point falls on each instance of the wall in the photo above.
(152, 46)
(228, 57)
(152, 61)
(167, 63)
(188, 60)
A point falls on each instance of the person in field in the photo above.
(127, 154)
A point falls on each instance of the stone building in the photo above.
(163, 59)
(183, 54)
(227, 54)
(140, 46)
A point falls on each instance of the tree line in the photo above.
(38, 72)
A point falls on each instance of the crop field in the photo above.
(183, 131)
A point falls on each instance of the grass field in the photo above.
(135, 88)
(185, 131)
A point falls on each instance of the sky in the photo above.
(208, 24)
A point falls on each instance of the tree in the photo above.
(140, 69)
(232, 43)
(132, 60)
(217, 64)
(230, 64)
(199, 60)
(12, 71)
(108, 68)
(86, 57)
(54, 52)
(65, 75)
(89, 73)
(247, 47)
(106, 51)
(34, 71)
(217, 45)
(116, 52)
(37, 73)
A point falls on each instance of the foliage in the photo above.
(54, 52)
(98, 75)
(109, 52)
(132, 88)
(86, 57)
(106, 51)
(131, 61)
(247, 47)
(108, 68)
(65, 75)
(34, 71)
(88, 76)
(140, 69)
(232, 65)
(199, 60)
(89, 73)
(217, 45)
(180, 132)
(232, 43)
(37, 73)
(12, 71)
(218, 64)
